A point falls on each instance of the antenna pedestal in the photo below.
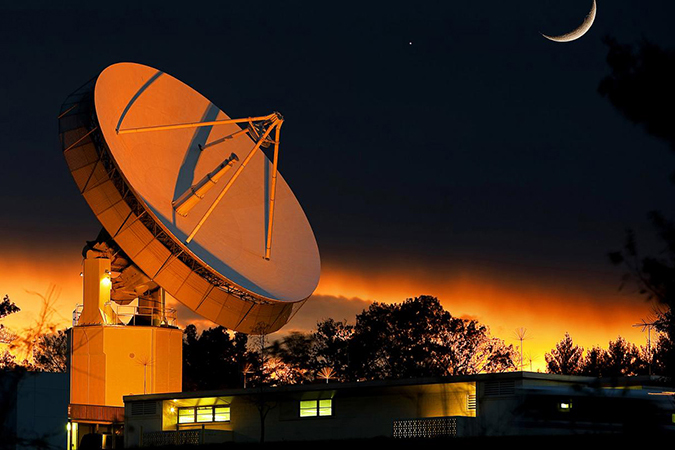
(118, 348)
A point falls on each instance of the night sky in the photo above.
(441, 148)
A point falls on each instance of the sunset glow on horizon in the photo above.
(593, 316)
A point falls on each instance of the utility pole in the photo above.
(648, 326)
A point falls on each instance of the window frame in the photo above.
(195, 414)
(316, 408)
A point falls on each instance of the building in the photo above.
(33, 409)
(515, 403)
(117, 349)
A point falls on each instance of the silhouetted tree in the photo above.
(592, 364)
(292, 359)
(26, 344)
(299, 357)
(212, 359)
(661, 352)
(565, 358)
(641, 87)
(622, 359)
(655, 278)
(418, 338)
(331, 340)
(50, 353)
(7, 307)
(473, 350)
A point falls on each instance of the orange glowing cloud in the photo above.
(592, 312)
(21, 274)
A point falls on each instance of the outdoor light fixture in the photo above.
(106, 280)
(565, 406)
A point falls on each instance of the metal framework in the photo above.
(259, 129)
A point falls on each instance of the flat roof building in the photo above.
(507, 404)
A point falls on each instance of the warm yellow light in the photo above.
(106, 281)
(173, 409)
(68, 426)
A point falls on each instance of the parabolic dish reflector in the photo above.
(132, 181)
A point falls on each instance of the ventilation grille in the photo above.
(143, 408)
(471, 402)
(425, 428)
(497, 388)
(161, 438)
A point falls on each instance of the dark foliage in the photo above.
(565, 358)
(332, 339)
(50, 353)
(655, 278)
(641, 86)
(213, 359)
(416, 338)
(621, 358)
(7, 307)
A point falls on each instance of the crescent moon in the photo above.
(578, 32)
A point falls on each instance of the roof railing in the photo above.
(134, 315)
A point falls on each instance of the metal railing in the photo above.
(134, 315)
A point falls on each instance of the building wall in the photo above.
(355, 412)
(508, 404)
(109, 362)
(42, 409)
(364, 413)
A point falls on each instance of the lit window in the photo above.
(314, 408)
(186, 415)
(565, 406)
(221, 414)
(325, 407)
(203, 414)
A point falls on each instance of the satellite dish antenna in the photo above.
(189, 198)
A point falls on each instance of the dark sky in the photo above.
(444, 133)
